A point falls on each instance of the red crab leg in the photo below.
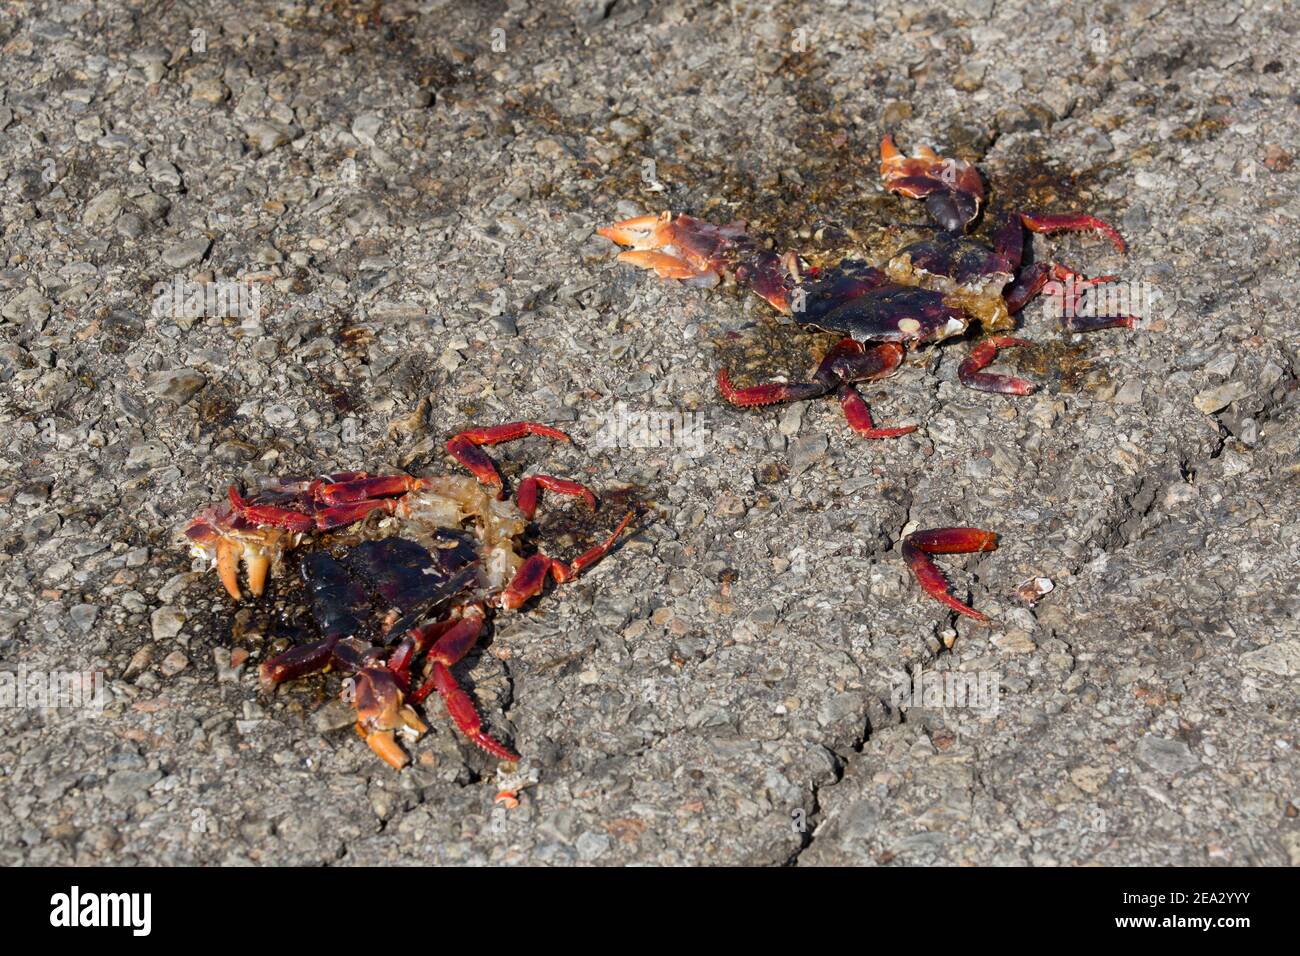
(981, 356)
(296, 521)
(461, 709)
(270, 515)
(919, 545)
(464, 447)
(415, 643)
(297, 662)
(1071, 290)
(531, 576)
(1091, 323)
(447, 650)
(1075, 286)
(340, 515)
(847, 361)
(1027, 285)
(591, 555)
(768, 394)
(858, 416)
(852, 362)
(363, 487)
(526, 496)
(1071, 222)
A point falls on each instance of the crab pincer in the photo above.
(382, 714)
(919, 545)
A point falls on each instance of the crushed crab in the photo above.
(398, 611)
(929, 291)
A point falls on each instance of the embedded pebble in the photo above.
(166, 622)
(1166, 756)
(1219, 397)
(176, 385)
(187, 253)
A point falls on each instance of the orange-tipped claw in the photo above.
(383, 743)
(952, 188)
(218, 534)
(382, 712)
(228, 567)
(679, 247)
(664, 265)
(926, 171)
(259, 566)
(639, 232)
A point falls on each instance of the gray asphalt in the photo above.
(744, 682)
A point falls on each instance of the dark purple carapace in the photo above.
(928, 291)
(398, 608)
(865, 305)
(356, 596)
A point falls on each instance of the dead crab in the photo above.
(929, 291)
(418, 597)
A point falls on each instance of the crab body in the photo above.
(930, 290)
(865, 304)
(448, 552)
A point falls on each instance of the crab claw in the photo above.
(952, 188)
(698, 253)
(382, 713)
(675, 247)
(639, 232)
(221, 536)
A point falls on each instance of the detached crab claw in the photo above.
(221, 536)
(952, 188)
(382, 713)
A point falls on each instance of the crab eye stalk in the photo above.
(952, 210)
